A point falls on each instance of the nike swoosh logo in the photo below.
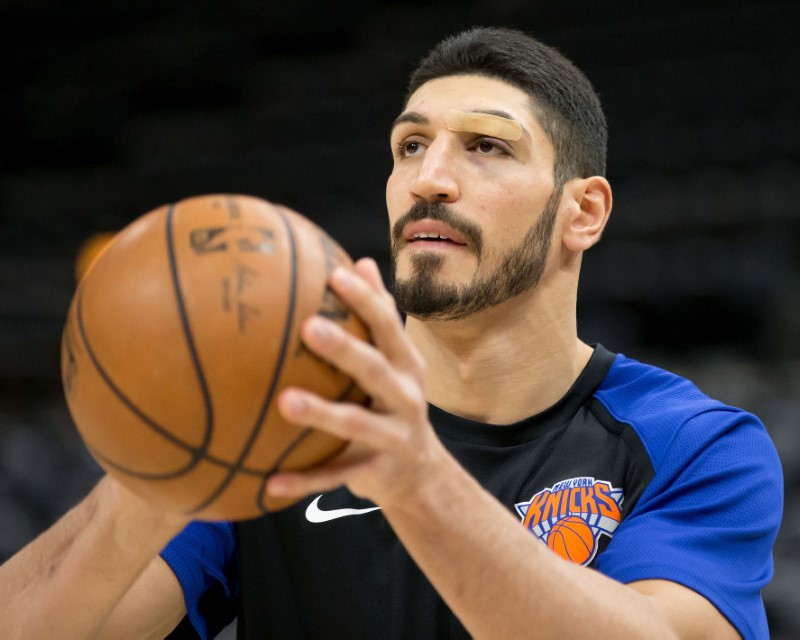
(316, 515)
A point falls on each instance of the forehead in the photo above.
(470, 93)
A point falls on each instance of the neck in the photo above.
(505, 363)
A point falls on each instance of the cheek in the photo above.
(396, 203)
(507, 209)
(508, 213)
(528, 197)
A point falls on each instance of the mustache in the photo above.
(439, 211)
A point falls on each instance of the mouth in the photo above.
(432, 240)
(431, 234)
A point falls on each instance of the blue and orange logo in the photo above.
(570, 516)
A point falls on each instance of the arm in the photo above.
(79, 574)
(496, 577)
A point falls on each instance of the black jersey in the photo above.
(633, 472)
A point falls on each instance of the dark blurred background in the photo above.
(114, 108)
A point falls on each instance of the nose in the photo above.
(436, 179)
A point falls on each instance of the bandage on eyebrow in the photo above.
(484, 123)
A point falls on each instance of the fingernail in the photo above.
(297, 403)
(343, 277)
(320, 328)
(277, 488)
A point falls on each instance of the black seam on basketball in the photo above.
(146, 475)
(288, 326)
(289, 449)
(133, 408)
(187, 332)
(276, 467)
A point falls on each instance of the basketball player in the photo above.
(508, 480)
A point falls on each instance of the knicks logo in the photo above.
(570, 516)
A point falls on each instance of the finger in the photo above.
(320, 479)
(294, 485)
(379, 312)
(380, 380)
(346, 421)
(368, 269)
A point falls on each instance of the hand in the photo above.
(393, 448)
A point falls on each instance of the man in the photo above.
(507, 480)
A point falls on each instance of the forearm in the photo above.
(67, 582)
(500, 580)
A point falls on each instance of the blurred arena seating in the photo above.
(112, 109)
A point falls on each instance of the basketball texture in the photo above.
(179, 339)
(572, 539)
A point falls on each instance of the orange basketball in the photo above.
(572, 539)
(179, 339)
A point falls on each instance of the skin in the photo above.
(498, 365)
(95, 574)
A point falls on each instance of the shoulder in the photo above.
(672, 417)
(710, 514)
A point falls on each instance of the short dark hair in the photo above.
(563, 99)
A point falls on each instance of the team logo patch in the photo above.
(570, 516)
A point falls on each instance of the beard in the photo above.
(519, 270)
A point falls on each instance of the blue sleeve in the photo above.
(204, 559)
(709, 518)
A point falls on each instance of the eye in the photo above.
(490, 147)
(409, 148)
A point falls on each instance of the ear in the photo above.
(588, 214)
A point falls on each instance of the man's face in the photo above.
(471, 208)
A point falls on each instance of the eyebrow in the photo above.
(417, 118)
(410, 116)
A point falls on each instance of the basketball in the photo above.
(178, 340)
(572, 539)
